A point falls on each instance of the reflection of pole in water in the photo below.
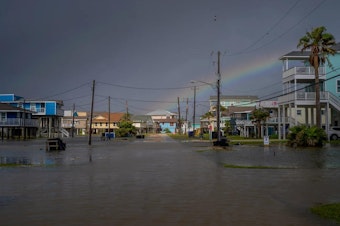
(90, 154)
(266, 149)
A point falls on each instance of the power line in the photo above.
(282, 34)
(271, 28)
(144, 88)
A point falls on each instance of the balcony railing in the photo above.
(303, 96)
(19, 122)
(308, 71)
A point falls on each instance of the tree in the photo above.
(126, 127)
(258, 116)
(320, 44)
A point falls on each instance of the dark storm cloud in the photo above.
(48, 46)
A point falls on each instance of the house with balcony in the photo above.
(229, 103)
(143, 123)
(16, 122)
(297, 102)
(105, 122)
(47, 112)
(75, 122)
(164, 120)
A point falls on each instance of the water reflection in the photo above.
(327, 157)
(165, 183)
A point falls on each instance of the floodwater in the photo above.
(160, 181)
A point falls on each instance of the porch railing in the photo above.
(303, 71)
(19, 122)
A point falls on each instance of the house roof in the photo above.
(167, 120)
(141, 118)
(296, 55)
(161, 112)
(9, 108)
(234, 109)
(104, 117)
(232, 97)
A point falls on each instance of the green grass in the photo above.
(329, 211)
(252, 167)
(14, 165)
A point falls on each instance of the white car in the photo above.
(334, 132)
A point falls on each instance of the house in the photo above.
(165, 120)
(242, 122)
(103, 122)
(47, 112)
(297, 103)
(143, 123)
(75, 123)
(227, 102)
(16, 122)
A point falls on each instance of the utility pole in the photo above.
(72, 132)
(194, 114)
(218, 97)
(186, 115)
(127, 110)
(109, 117)
(91, 114)
(24, 119)
(179, 116)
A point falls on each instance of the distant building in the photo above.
(76, 121)
(143, 123)
(103, 121)
(165, 120)
(226, 102)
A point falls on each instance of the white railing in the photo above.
(64, 132)
(19, 122)
(335, 101)
(303, 71)
(302, 96)
(39, 111)
(271, 120)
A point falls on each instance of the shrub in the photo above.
(306, 136)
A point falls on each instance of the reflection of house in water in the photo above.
(47, 112)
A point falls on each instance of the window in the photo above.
(3, 116)
(171, 124)
(298, 112)
(100, 124)
(338, 86)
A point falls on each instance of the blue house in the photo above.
(47, 112)
(164, 120)
(297, 103)
(332, 83)
(16, 122)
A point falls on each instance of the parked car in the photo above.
(334, 132)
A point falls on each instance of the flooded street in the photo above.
(160, 181)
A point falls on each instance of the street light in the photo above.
(194, 114)
(218, 85)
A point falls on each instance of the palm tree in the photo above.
(320, 44)
(258, 116)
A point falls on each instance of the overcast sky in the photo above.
(146, 53)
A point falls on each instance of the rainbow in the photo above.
(258, 69)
